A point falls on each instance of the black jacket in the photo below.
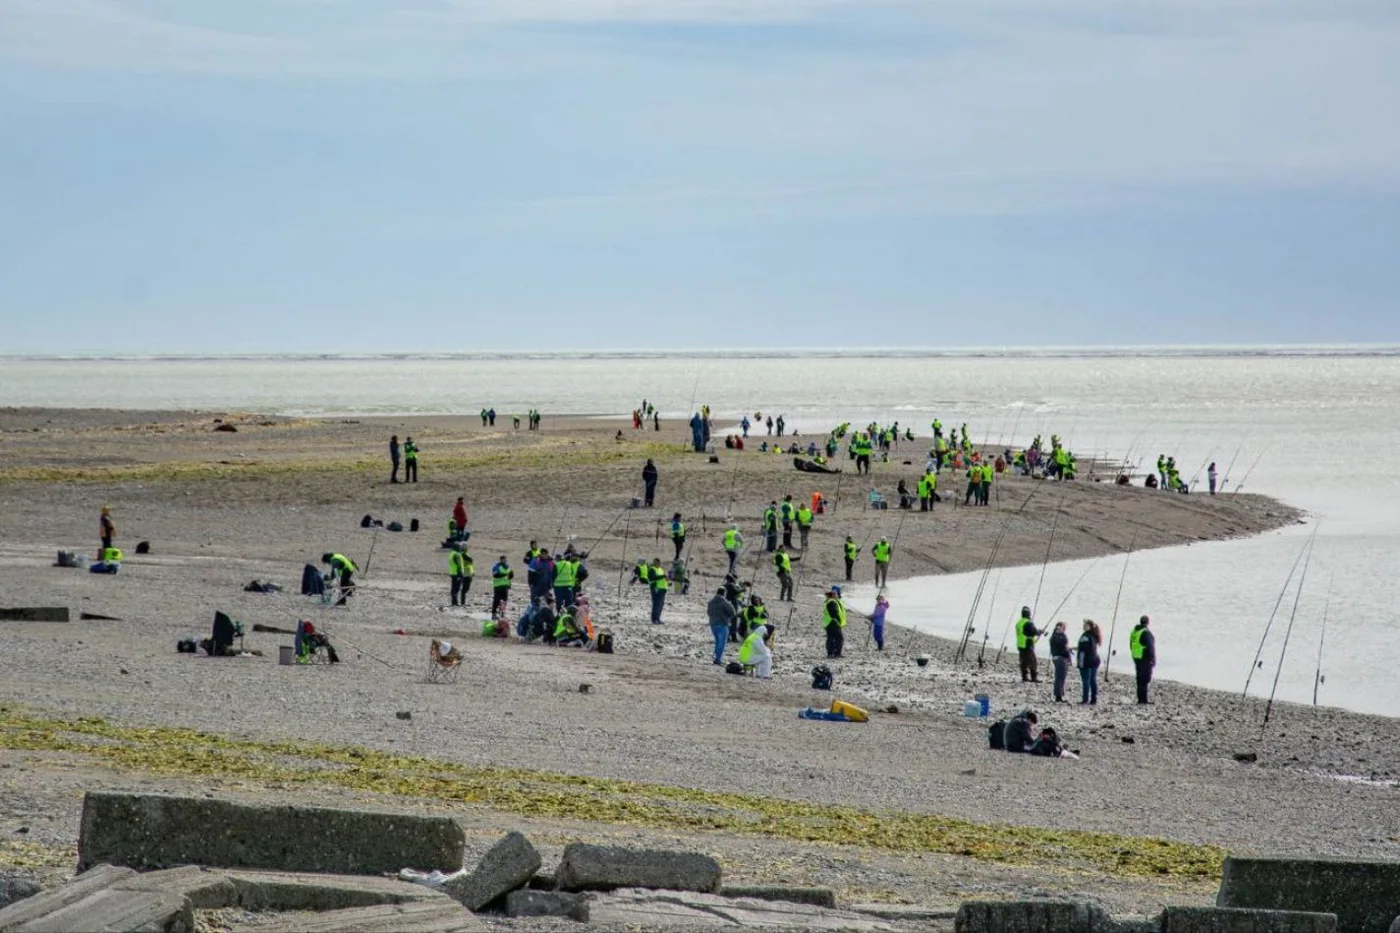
(1018, 735)
(1059, 645)
(1088, 651)
(649, 474)
(1149, 645)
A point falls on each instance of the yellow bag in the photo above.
(853, 713)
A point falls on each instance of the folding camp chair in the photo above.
(444, 662)
(876, 500)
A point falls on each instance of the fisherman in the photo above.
(782, 562)
(755, 652)
(1161, 471)
(491, 416)
(881, 551)
(640, 572)
(834, 621)
(532, 570)
(781, 424)
(733, 543)
(1173, 475)
(932, 478)
(462, 569)
(877, 621)
(787, 512)
(1143, 648)
(753, 616)
(541, 570)
(988, 471)
(410, 461)
(923, 492)
(974, 484)
(679, 578)
(852, 550)
(501, 575)
(1210, 477)
(744, 425)
(345, 567)
(394, 459)
(106, 529)
(659, 583)
(804, 523)
(649, 478)
(566, 631)
(565, 579)
(1026, 635)
(483, 417)
(721, 616)
(677, 534)
(862, 447)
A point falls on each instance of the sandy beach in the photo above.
(911, 807)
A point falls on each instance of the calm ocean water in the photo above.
(1319, 428)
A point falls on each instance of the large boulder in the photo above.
(509, 864)
(154, 831)
(1363, 895)
(1030, 917)
(602, 868)
(1244, 920)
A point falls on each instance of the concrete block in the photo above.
(116, 910)
(156, 831)
(205, 889)
(527, 903)
(509, 864)
(90, 882)
(1364, 895)
(817, 897)
(16, 886)
(271, 890)
(1030, 917)
(635, 909)
(602, 868)
(443, 915)
(1243, 920)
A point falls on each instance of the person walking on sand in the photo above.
(877, 621)
(1059, 657)
(410, 461)
(834, 621)
(721, 615)
(1144, 651)
(1087, 654)
(677, 534)
(782, 563)
(660, 583)
(106, 528)
(733, 543)
(461, 568)
(649, 478)
(394, 459)
(1026, 635)
(805, 517)
(882, 552)
(1211, 476)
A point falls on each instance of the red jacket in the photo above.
(459, 515)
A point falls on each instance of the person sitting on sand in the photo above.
(1020, 731)
(566, 631)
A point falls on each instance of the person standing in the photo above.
(804, 523)
(834, 620)
(781, 424)
(649, 478)
(877, 621)
(788, 513)
(881, 552)
(483, 417)
(744, 425)
(721, 615)
(1026, 635)
(1211, 476)
(769, 424)
(501, 575)
(1144, 650)
(460, 566)
(782, 562)
(1087, 654)
(677, 534)
(659, 583)
(535, 577)
(491, 416)
(106, 528)
(770, 527)
(394, 458)
(410, 461)
(459, 516)
(1059, 657)
(733, 543)
(566, 579)
(852, 550)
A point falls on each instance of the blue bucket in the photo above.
(985, 702)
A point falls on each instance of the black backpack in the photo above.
(367, 521)
(605, 643)
(734, 667)
(821, 677)
(996, 735)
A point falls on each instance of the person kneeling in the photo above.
(756, 651)
(566, 631)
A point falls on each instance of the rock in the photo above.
(439, 916)
(1363, 895)
(100, 900)
(653, 910)
(1395, 925)
(227, 428)
(907, 913)
(155, 831)
(529, 903)
(403, 714)
(585, 688)
(1030, 917)
(817, 897)
(1247, 757)
(15, 886)
(1126, 739)
(1234, 920)
(205, 889)
(510, 864)
(601, 868)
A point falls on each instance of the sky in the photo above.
(446, 175)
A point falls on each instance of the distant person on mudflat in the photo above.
(649, 478)
(1026, 635)
(106, 528)
(410, 461)
(1211, 476)
(394, 459)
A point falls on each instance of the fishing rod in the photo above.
(1229, 468)
(1035, 605)
(1240, 484)
(373, 539)
(1200, 469)
(1113, 624)
(986, 572)
(1318, 679)
(987, 627)
(1075, 587)
(558, 532)
(622, 570)
(881, 590)
(627, 510)
(733, 479)
(1283, 652)
(1256, 663)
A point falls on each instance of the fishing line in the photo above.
(1117, 599)
(1278, 671)
(1255, 664)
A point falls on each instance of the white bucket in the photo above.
(972, 709)
(286, 654)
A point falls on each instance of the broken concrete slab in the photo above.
(205, 889)
(118, 910)
(904, 913)
(438, 916)
(16, 886)
(649, 910)
(1030, 917)
(603, 868)
(1244, 920)
(1363, 895)
(156, 831)
(527, 903)
(817, 897)
(35, 614)
(508, 865)
(271, 890)
(99, 878)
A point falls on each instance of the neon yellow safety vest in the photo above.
(834, 612)
(1023, 641)
(459, 564)
(756, 615)
(677, 530)
(111, 555)
(501, 576)
(342, 563)
(788, 511)
(932, 482)
(852, 549)
(746, 650)
(988, 471)
(882, 552)
(770, 519)
(783, 562)
(1135, 645)
(804, 517)
(565, 573)
(410, 451)
(731, 540)
(658, 580)
(643, 570)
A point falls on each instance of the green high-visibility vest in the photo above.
(501, 576)
(677, 530)
(788, 511)
(783, 562)
(750, 644)
(410, 451)
(923, 487)
(658, 580)
(804, 517)
(1023, 640)
(932, 479)
(565, 573)
(1135, 645)
(881, 552)
(643, 570)
(342, 563)
(731, 539)
(755, 615)
(852, 549)
(770, 519)
(834, 612)
(460, 564)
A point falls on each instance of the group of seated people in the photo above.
(566, 627)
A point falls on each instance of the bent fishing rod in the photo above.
(1318, 679)
(986, 572)
(1117, 599)
(1283, 652)
(1256, 663)
(1035, 604)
